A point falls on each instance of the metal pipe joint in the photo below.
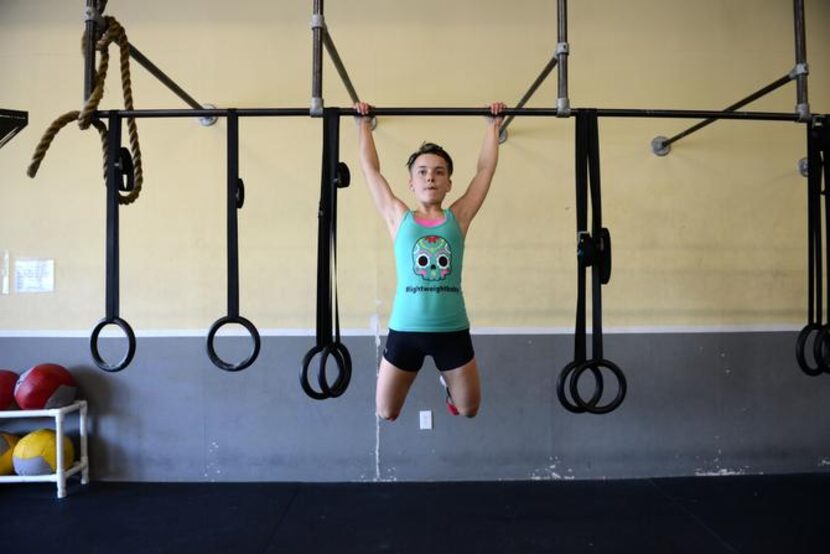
(799, 69)
(318, 21)
(91, 13)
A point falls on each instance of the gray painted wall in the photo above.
(698, 403)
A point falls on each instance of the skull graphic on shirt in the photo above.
(432, 258)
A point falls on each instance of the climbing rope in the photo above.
(113, 32)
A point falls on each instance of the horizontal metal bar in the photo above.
(602, 112)
(209, 112)
(161, 76)
(464, 112)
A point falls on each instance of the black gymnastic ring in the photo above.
(304, 383)
(211, 338)
(344, 370)
(591, 405)
(563, 397)
(93, 344)
(821, 350)
(344, 365)
(801, 347)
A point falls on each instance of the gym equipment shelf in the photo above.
(59, 477)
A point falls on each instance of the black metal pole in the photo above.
(161, 76)
(318, 29)
(338, 64)
(563, 103)
(803, 106)
(90, 16)
(536, 84)
(462, 112)
(661, 145)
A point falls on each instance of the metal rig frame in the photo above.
(322, 40)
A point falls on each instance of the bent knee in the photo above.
(388, 414)
(467, 411)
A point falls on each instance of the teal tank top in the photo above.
(428, 262)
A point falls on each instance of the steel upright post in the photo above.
(563, 104)
(90, 16)
(801, 68)
(318, 28)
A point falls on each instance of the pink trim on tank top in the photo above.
(429, 222)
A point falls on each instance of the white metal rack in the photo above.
(61, 475)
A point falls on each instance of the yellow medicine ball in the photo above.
(35, 454)
(7, 444)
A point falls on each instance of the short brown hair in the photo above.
(429, 148)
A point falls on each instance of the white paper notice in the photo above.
(4, 272)
(34, 275)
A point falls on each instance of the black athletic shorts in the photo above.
(407, 349)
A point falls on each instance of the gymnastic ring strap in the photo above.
(334, 175)
(584, 250)
(821, 347)
(591, 405)
(95, 336)
(233, 201)
(815, 303)
(563, 385)
(115, 172)
(593, 250)
(211, 343)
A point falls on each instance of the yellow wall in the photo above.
(713, 234)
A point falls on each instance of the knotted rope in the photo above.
(114, 32)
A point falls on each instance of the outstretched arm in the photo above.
(390, 207)
(466, 207)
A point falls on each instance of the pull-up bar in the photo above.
(459, 112)
(322, 40)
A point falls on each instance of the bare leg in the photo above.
(393, 386)
(465, 388)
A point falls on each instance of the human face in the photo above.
(430, 179)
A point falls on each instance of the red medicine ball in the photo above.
(44, 387)
(8, 379)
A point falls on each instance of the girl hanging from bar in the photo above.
(428, 316)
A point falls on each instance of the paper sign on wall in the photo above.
(34, 275)
(4, 272)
